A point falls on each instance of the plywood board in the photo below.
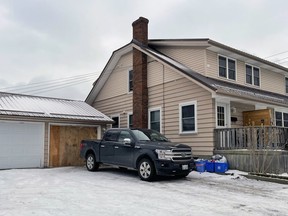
(257, 117)
(65, 144)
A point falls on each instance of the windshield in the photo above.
(140, 135)
(156, 136)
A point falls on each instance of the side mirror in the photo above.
(127, 141)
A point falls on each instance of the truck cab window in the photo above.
(111, 136)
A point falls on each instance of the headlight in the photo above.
(164, 154)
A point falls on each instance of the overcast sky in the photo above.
(62, 41)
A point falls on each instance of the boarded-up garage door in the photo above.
(21, 145)
(65, 144)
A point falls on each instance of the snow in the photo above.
(75, 191)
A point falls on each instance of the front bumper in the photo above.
(172, 168)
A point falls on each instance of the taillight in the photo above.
(82, 145)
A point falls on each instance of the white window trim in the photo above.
(227, 74)
(180, 117)
(116, 115)
(149, 116)
(286, 77)
(282, 117)
(253, 75)
(128, 83)
(128, 114)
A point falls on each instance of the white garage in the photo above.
(21, 144)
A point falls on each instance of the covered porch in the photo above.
(252, 135)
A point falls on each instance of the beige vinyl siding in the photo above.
(191, 57)
(117, 83)
(180, 91)
(157, 72)
(272, 81)
(212, 64)
(120, 105)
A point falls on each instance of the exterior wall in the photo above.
(120, 105)
(273, 82)
(269, 80)
(192, 57)
(179, 91)
(117, 83)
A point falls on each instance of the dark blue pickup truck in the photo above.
(145, 150)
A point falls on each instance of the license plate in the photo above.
(185, 167)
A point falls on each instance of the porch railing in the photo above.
(266, 137)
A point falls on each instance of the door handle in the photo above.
(102, 146)
(116, 146)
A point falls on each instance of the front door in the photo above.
(222, 115)
(222, 121)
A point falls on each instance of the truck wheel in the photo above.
(146, 170)
(91, 163)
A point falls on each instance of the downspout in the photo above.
(163, 99)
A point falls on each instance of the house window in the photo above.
(188, 120)
(116, 121)
(130, 81)
(227, 68)
(130, 120)
(281, 119)
(286, 84)
(278, 117)
(252, 75)
(285, 119)
(154, 120)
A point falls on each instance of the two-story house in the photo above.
(195, 91)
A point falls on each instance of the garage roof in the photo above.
(35, 106)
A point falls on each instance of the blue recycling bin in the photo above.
(221, 167)
(200, 165)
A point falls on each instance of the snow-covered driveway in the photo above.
(75, 191)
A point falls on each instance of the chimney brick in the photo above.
(140, 90)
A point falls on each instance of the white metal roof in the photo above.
(34, 106)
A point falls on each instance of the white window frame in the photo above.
(113, 116)
(195, 117)
(128, 81)
(128, 114)
(286, 78)
(282, 111)
(253, 82)
(149, 116)
(227, 69)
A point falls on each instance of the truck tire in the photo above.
(91, 163)
(146, 170)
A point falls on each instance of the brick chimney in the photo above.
(140, 90)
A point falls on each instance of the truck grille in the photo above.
(181, 155)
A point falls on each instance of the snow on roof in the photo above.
(35, 106)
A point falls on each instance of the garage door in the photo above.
(65, 144)
(21, 145)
